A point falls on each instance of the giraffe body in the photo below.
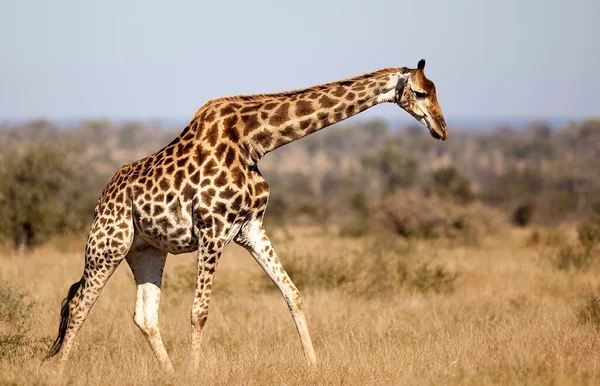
(204, 190)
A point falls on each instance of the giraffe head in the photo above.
(416, 94)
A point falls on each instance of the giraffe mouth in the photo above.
(435, 130)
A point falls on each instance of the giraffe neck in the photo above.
(268, 121)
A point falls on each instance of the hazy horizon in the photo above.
(148, 61)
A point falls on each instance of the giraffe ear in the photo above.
(421, 64)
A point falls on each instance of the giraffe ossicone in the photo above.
(203, 190)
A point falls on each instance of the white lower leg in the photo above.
(146, 318)
(295, 306)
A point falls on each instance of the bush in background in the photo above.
(410, 214)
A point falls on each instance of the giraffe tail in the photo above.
(64, 319)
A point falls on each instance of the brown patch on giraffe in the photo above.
(164, 184)
(323, 116)
(280, 115)
(261, 187)
(230, 157)
(212, 134)
(238, 177)
(170, 197)
(250, 122)
(147, 208)
(149, 185)
(231, 132)
(137, 191)
(339, 91)
(249, 109)
(304, 108)
(228, 109)
(231, 217)
(210, 116)
(270, 106)
(175, 209)
(290, 132)
(195, 178)
(227, 193)
(188, 192)
(221, 180)
(178, 233)
(190, 169)
(207, 196)
(339, 108)
(158, 210)
(362, 101)
(304, 125)
(327, 102)
(181, 162)
(168, 160)
(220, 151)
(178, 179)
(210, 168)
(263, 137)
(185, 148)
(236, 204)
(220, 208)
(200, 154)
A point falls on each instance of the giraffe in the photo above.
(204, 190)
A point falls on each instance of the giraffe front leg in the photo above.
(208, 258)
(253, 238)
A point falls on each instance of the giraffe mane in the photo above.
(286, 94)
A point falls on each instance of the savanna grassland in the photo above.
(472, 261)
(382, 310)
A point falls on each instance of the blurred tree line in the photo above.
(50, 177)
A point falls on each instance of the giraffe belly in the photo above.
(172, 231)
(178, 234)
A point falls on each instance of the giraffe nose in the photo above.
(444, 132)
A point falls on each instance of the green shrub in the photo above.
(449, 183)
(590, 313)
(31, 201)
(375, 268)
(581, 255)
(411, 215)
(15, 314)
(435, 279)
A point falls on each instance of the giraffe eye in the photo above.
(420, 94)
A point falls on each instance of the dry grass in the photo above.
(503, 315)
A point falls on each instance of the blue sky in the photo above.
(163, 59)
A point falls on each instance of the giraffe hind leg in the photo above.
(103, 256)
(147, 264)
